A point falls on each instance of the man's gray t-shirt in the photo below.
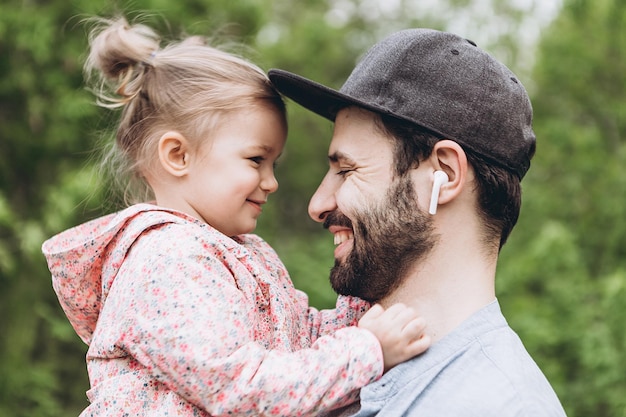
(480, 369)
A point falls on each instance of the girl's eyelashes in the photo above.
(257, 159)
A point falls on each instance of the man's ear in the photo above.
(449, 157)
(174, 153)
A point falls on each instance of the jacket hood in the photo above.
(84, 260)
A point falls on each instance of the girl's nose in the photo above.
(269, 183)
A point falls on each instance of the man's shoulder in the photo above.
(487, 374)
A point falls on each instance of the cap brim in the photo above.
(316, 97)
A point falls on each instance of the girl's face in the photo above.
(232, 174)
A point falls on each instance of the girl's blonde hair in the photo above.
(185, 86)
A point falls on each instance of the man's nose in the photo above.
(323, 201)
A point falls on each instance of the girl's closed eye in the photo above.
(257, 159)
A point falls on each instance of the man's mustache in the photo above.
(337, 218)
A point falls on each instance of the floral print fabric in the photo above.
(182, 320)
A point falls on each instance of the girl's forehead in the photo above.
(260, 128)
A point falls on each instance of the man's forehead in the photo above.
(356, 136)
(361, 154)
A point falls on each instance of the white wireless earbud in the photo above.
(440, 179)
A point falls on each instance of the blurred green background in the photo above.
(562, 275)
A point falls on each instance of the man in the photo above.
(432, 138)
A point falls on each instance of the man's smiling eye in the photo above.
(344, 172)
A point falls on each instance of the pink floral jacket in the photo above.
(183, 321)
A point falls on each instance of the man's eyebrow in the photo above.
(336, 157)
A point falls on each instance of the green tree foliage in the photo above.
(565, 267)
(561, 278)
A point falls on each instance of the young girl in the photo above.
(185, 312)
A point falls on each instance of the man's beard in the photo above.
(389, 239)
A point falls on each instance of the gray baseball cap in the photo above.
(439, 81)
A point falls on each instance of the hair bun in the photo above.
(116, 50)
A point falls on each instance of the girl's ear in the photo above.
(448, 156)
(174, 153)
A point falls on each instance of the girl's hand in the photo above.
(399, 330)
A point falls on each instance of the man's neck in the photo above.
(448, 287)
